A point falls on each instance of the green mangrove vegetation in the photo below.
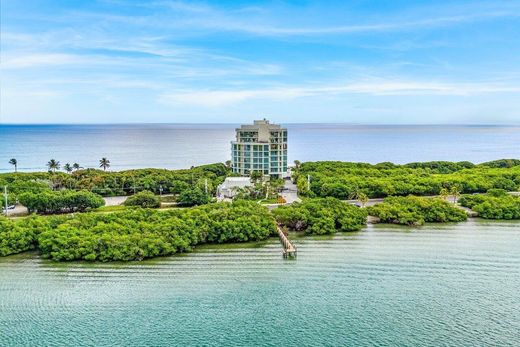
(193, 197)
(137, 233)
(63, 201)
(126, 182)
(145, 199)
(496, 204)
(346, 180)
(413, 210)
(321, 216)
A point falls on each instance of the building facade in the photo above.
(260, 147)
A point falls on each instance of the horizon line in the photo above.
(247, 122)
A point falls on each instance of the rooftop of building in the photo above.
(257, 124)
(239, 182)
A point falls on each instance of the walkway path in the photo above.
(289, 250)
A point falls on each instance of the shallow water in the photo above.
(439, 285)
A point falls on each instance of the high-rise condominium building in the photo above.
(260, 147)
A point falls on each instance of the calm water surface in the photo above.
(448, 285)
(183, 145)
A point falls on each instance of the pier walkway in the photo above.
(289, 250)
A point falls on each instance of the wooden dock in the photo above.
(289, 250)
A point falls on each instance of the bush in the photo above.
(141, 233)
(48, 202)
(135, 234)
(321, 216)
(342, 180)
(413, 210)
(496, 204)
(192, 197)
(145, 199)
(21, 235)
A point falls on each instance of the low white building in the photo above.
(232, 185)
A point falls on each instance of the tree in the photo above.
(14, 162)
(53, 165)
(104, 163)
(256, 176)
(455, 192)
(193, 197)
(76, 166)
(444, 193)
(228, 164)
(67, 167)
(360, 196)
(297, 164)
(145, 199)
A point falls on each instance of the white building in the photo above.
(232, 185)
(260, 147)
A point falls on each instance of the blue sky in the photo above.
(390, 62)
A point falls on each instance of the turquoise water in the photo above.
(448, 285)
(179, 146)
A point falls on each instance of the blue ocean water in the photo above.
(183, 145)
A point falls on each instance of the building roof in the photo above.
(258, 124)
(238, 182)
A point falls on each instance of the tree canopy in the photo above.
(343, 179)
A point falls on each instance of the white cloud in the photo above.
(213, 98)
(42, 59)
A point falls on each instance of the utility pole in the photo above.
(309, 183)
(160, 190)
(5, 197)
(206, 186)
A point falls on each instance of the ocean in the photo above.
(177, 146)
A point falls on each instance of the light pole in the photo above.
(5, 198)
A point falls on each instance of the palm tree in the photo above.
(53, 165)
(297, 164)
(444, 193)
(15, 163)
(76, 166)
(359, 196)
(67, 167)
(104, 163)
(455, 192)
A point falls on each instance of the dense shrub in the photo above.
(48, 202)
(343, 180)
(145, 199)
(496, 204)
(321, 216)
(502, 163)
(137, 233)
(21, 235)
(412, 210)
(193, 197)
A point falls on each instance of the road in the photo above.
(290, 192)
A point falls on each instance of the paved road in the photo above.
(290, 193)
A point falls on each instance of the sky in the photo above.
(369, 62)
